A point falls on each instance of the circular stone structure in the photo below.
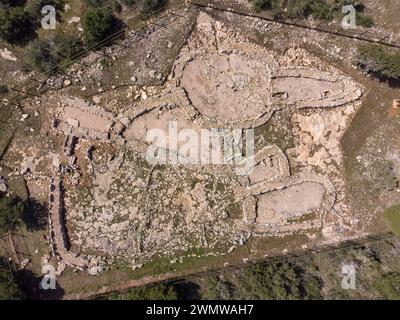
(229, 88)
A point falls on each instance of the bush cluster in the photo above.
(318, 9)
(46, 56)
(16, 24)
(379, 61)
(98, 24)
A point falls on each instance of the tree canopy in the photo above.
(154, 292)
(15, 24)
(98, 24)
(379, 61)
(9, 289)
(10, 214)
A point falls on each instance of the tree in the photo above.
(275, 280)
(260, 5)
(16, 25)
(311, 288)
(128, 3)
(10, 214)
(11, 3)
(267, 280)
(296, 9)
(154, 292)
(98, 24)
(380, 62)
(67, 46)
(218, 288)
(9, 289)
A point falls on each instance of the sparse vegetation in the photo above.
(289, 9)
(67, 46)
(380, 62)
(309, 277)
(154, 292)
(94, 3)
(46, 56)
(318, 9)
(41, 56)
(111, 5)
(98, 24)
(383, 176)
(9, 289)
(128, 3)
(389, 286)
(16, 25)
(3, 89)
(272, 280)
(10, 214)
(260, 5)
(364, 21)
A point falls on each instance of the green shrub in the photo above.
(3, 89)
(10, 214)
(12, 3)
(94, 3)
(380, 62)
(337, 5)
(41, 57)
(128, 3)
(154, 292)
(295, 9)
(67, 46)
(46, 56)
(260, 5)
(218, 289)
(98, 24)
(272, 281)
(311, 288)
(266, 280)
(104, 63)
(16, 25)
(321, 11)
(364, 21)
(113, 5)
(9, 290)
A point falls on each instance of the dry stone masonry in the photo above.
(119, 208)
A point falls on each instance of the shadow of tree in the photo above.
(187, 290)
(30, 285)
(35, 215)
(28, 33)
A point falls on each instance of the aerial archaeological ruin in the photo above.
(108, 205)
